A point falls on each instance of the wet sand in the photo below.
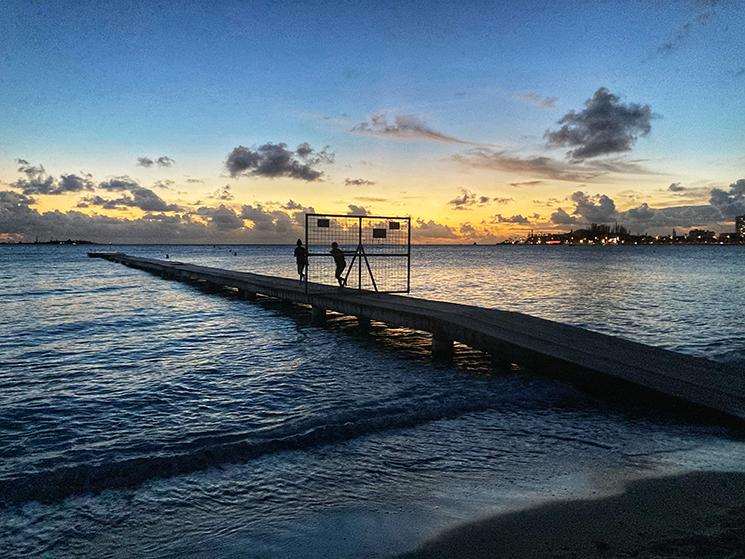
(700, 514)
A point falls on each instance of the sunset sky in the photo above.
(223, 122)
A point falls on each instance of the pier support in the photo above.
(318, 315)
(248, 295)
(363, 323)
(442, 345)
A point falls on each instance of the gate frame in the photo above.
(360, 250)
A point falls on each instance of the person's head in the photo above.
(334, 245)
(299, 242)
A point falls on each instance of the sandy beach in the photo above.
(700, 514)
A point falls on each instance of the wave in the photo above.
(64, 482)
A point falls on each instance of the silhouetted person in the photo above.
(340, 262)
(167, 257)
(301, 256)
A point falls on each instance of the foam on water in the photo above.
(145, 417)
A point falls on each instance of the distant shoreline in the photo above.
(291, 244)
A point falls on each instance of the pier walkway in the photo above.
(541, 345)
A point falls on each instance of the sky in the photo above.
(224, 122)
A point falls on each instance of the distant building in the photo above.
(700, 236)
(740, 226)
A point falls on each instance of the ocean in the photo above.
(148, 418)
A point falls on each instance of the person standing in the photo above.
(340, 262)
(301, 257)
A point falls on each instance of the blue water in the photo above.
(144, 417)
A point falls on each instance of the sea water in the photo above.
(144, 417)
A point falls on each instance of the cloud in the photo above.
(729, 203)
(468, 230)
(210, 225)
(676, 187)
(468, 199)
(292, 205)
(705, 11)
(486, 158)
(403, 127)
(119, 184)
(269, 220)
(518, 219)
(223, 217)
(357, 210)
(502, 200)
(370, 199)
(603, 127)
(594, 209)
(165, 184)
(162, 161)
(275, 160)
(138, 197)
(222, 193)
(535, 99)
(37, 181)
(724, 205)
(432, 230)
(526, 183)
(561, 217)
(165, 161)
(358, 182)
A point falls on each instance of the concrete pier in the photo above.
(603, 361)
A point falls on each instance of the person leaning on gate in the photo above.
(340, 262)
(301, 256)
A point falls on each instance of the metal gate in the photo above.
(377, 250)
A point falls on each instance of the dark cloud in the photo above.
(275, 160)
(502, 200)
(603, 127)
(676, 187)
(594, 209)
(561, 217)
(38, 182)
(162, 161)
(403, 127)
(358, 182)
(357, 210)
(518, 219)
(165, 161)
(468, 199)
(724, 205)
(222, 193)
(138, 197)
(193, 180)
(292, 205)
(729, 203)
(206, 225)
(270, 220)
(119, 184)
(468, 230)
(432, 230)
(536, 99)
(223, 217)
